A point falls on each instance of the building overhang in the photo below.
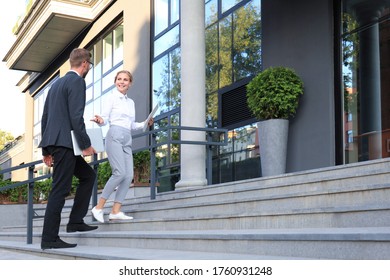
(47, 29)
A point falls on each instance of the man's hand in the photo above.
(89, 151)
(48, 160)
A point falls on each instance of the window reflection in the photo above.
(365, 48)
(107, 52)
(225, 52)
(211, 12)
(247, 41)
(118, 44)
(228, 4)
(109, 79)
(160, 15)
(233, 45)
(98, 59)
(166, 41)
(240, 158)
(212, 109)
(167, 154)
(166, 81)
(212, 59)
(160, 87)
(89, 94)
(89, 78)
(175, 10)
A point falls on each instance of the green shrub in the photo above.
(142, 166)
(104, 173)
(274, 93)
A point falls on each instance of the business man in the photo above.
(63, 112)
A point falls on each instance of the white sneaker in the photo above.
(119, 216)
(98, 214)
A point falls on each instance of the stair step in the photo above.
(320, 243)
(347, 216)
(25, 251)
(340, 212)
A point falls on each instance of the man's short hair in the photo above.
(78, 56)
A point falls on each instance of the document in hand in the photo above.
(96, 136)
(149, 117)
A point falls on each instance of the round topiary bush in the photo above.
(274, 93)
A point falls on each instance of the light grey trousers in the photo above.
(120, 157)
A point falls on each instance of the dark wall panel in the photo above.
(300, 34)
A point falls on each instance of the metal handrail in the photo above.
(153, 145)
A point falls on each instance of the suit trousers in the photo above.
(66, 164)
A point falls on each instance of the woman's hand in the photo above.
(97, 119)
(151, 122)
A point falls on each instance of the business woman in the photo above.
(63, 112)
(119, 113)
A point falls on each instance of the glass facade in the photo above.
(366, 87)
(233, 52)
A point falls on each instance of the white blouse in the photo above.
(119, 110)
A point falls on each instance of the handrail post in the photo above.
(30, 198)
(95, 184)
(153, 167)
(209, 159)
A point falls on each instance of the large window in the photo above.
(233, 46)
(166, 58)
(107, 54)
(366, 87)
(233, 53)
(166, 87)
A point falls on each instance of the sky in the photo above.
(12, 101)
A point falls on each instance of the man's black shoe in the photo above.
(79, 227)
(58, 244)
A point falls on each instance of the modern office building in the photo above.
(12, 155)
(194, 58)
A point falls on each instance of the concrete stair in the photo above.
(341, 212)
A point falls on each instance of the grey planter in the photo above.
(273, 136)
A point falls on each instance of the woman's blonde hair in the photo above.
(124, 72)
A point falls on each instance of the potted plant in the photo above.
(273, 97)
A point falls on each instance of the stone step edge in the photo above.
(117, 253)
(288, 234)
(279, 212)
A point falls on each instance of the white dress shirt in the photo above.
(119, 110)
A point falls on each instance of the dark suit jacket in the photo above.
(63, 112)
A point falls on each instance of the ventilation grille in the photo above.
(234, 109)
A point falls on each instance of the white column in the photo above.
(193, 108)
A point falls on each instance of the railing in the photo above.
(152, 147)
